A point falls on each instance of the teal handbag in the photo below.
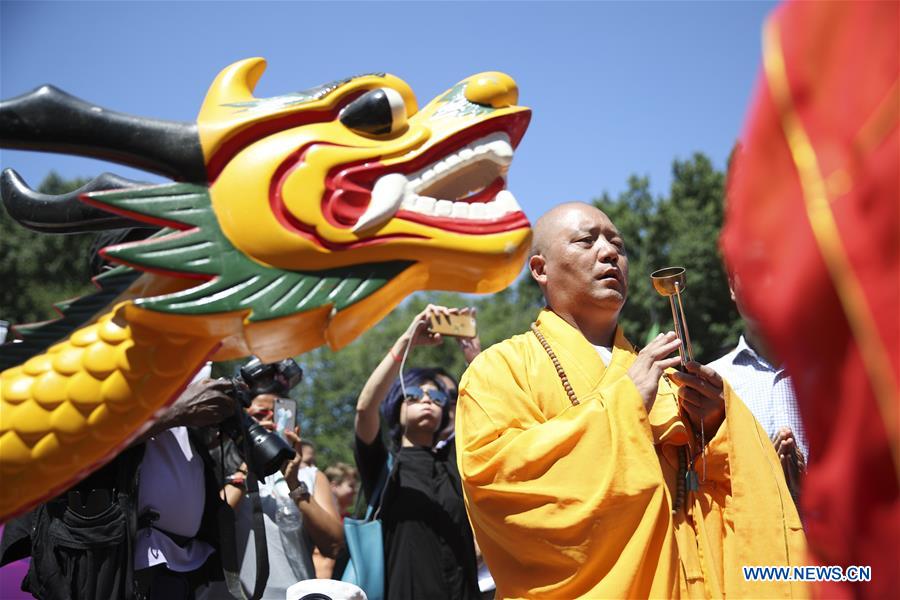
(365, 543)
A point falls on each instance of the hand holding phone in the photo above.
(285, 416)
(453, 324)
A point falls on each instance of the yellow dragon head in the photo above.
(306, 217)
(294, 221)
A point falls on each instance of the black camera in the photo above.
(264, 451)
(269, 378)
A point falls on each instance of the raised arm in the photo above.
(203, 402)
(379, 382)
(321, 519)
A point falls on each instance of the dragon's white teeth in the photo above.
(504, 203)
(443, 208)
(502, 150)
(387, 195)
(425, 205)
(495, 147)
(395, 190)
(507, 202)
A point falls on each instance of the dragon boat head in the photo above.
(305, 217)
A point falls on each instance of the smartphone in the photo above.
(462, 325)
(285, 416)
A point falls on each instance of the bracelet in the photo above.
(301, 492)
(394, 356)
(236, 479)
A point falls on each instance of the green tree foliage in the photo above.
(38, 269)
(693, 218)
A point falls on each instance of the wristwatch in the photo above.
(301, 492)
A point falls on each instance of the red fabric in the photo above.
(842, 61)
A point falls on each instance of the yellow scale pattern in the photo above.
(61, 411)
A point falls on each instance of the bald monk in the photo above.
(593, 470)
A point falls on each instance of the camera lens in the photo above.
(267, 450)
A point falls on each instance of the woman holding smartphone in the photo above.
(299, 515)
(428, 545)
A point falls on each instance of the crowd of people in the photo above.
(565, 463)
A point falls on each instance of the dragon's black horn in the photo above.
(50, 120)
(63, 213)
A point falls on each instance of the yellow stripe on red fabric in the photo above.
(828, 238)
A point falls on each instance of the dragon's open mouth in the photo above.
(458, 185)
(467, 184)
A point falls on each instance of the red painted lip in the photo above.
(349, 187)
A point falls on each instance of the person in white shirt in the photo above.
(756, 374)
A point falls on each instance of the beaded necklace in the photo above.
(559, 370)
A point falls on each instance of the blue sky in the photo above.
(616, 88)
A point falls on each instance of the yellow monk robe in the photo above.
(576, 501)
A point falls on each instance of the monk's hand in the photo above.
(793, 463)
(650, 365)
(701, 394)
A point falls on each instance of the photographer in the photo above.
(298, 510)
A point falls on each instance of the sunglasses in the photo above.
(415, 394)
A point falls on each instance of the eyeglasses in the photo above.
(416, 394)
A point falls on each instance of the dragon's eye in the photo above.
(376, 112)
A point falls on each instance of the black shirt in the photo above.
(428, 545)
